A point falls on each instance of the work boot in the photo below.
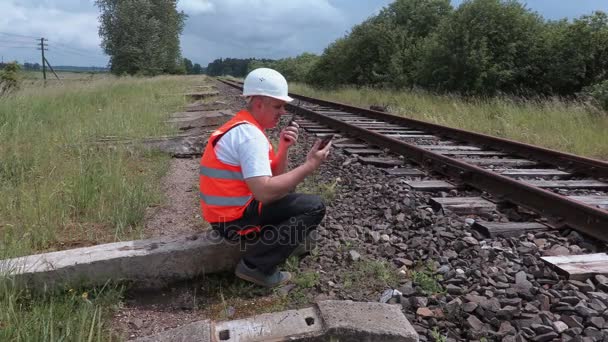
(255, 276)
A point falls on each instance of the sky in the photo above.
(214, 28)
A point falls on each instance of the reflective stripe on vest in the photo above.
(221, 174)
(224, 201)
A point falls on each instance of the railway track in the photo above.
(565, 189)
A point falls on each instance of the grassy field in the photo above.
(62, 189)
(571, 127)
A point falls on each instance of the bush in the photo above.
(599, 94)
(9, 78)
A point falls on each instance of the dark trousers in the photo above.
(284, 225)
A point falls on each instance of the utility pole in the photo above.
(42, 48)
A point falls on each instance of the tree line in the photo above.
(481, 48)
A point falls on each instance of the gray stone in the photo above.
(507, 313)
(506, 329)
(571, 321)
(540, 329)
(454, 290)
(545, 337)
(470, 240)
(570, 300)
(584, 311)
(354, 255)
(597, 322)
(474, 323)
(407, 289)
(469, 307)
(593, 333)
(419, 302)
(559, 327)
(582, 286)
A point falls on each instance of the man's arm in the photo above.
(269, 189)
(288, 137)
(280, 162)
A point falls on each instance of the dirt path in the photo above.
(180, 213)
(149, 312)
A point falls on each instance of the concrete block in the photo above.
(328, 321)
(355, 321)
(295, 324)
(197, 331)
(145, 263)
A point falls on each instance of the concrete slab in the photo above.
(291, 325)
(353, 321)
(145, 263)
(329, 321)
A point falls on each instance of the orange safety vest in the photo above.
(224, 195)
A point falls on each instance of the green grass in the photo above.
(377, 274)
(67, 315)
(59, 185)
(311, 185)
(425, 276)
(567, 126)
(62, 188)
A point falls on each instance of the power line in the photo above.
(15, 41)
(17, 47)
(64, 46)
(68, 52)
(18, 35)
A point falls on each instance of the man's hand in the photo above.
(317, 156)
(289, 136)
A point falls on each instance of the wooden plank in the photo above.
(363, 151)
(411, 136)
(331, 112)
(499, 162)
(568, 184)
(345, 141)
(450, 147)
(380, 162)
(321, 130)
(404, 172)
(579, 267)
(356, 146)
(381, 124)
(397, 131)
(430, 185)
(311, 126)
(323, 135)
(357, 120)
(463, 205)
(201, 95)
(471, 153)
(596, 201)
(534, 173)
(508, 229)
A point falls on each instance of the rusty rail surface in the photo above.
(560, 209)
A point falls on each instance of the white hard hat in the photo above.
(266, 82)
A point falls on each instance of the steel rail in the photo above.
(562, 210)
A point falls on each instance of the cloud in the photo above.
(72, 32)
(261, 28)
(194, 7)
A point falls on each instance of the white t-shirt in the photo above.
(245, 146)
